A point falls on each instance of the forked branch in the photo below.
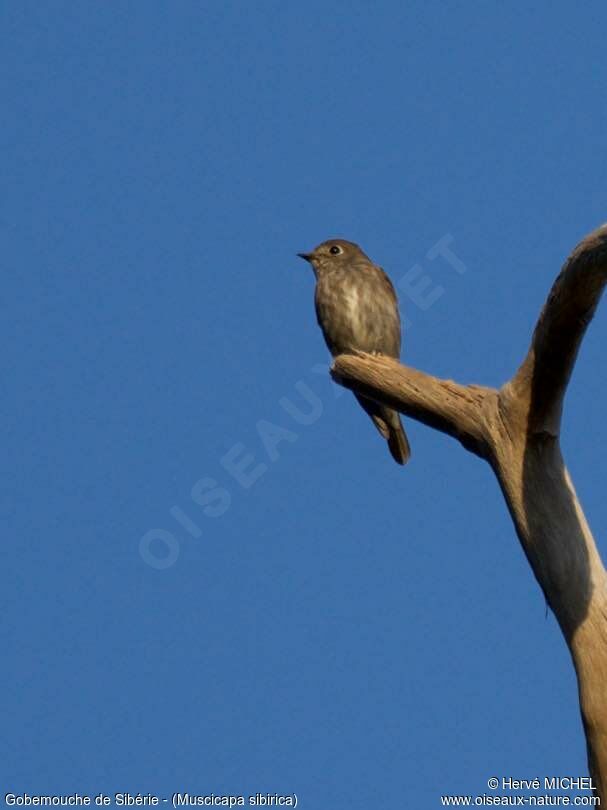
(517, 430)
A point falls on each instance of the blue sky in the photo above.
(340, 628)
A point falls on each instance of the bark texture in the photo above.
(516, 429)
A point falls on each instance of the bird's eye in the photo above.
(335, 250)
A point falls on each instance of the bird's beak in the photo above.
(306, 256)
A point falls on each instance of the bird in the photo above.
(357, 310)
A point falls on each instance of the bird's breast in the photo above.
(357, 310)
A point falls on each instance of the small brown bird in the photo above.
(357, 310)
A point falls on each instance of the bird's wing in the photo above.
(387, 284)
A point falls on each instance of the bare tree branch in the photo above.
(441, 404)
(545, 372)
(516, 430)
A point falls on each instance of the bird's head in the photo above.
(334, 253)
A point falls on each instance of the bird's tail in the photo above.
(398, 443)
(389, 425)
